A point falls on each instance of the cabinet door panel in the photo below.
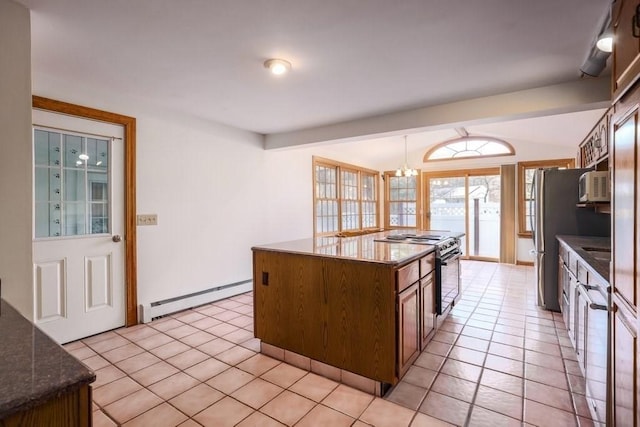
(427, 309)
(581, 311)
(408, 328)
(624, 209)
(625, 369)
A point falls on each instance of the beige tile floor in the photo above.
(497, 360)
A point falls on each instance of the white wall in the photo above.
(15, 157)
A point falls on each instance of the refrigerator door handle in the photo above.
(540, 209)
(532, 213)
(541, 300)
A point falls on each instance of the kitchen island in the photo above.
(40, 383)
(350, 308)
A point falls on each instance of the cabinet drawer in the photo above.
(427, 264)
(408, 275)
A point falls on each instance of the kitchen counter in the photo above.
(366, 248)
(597, 253)
(34, 369)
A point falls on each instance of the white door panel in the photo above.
(78, 209)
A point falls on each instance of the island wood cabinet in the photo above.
(416, 310)
(408, 327)
(362, 317)
(625, 347)
(626, 52)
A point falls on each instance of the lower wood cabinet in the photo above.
(72, 409)
(625, 374)
(408, 327)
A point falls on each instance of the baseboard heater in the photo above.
(157, 309)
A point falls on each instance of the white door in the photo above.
(78, 247)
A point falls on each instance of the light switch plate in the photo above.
(147, 219)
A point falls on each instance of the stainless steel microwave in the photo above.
(594, 187)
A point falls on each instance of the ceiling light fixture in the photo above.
(605, 41)
(600, 49)
(277, 66)
(83, 157)
(405, 170)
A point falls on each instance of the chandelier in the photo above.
(405, 170)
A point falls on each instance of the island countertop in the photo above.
(366, 248)
(33, 367)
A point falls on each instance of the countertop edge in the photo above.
(575, 243)
(427, 250)
(52, 374)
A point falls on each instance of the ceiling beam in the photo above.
(578, 95)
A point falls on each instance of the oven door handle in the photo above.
(450, 257)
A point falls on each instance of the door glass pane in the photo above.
(71, 184)
(74, 218)
(98, 154)
(72, 151)
(484, 216)
(447, 205)
(74, 185)
(46, 148)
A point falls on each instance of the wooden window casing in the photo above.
(525, 170)
(345, 198)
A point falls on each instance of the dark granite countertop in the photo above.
(33, 367)
(598, 245)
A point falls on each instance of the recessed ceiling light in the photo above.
(277, 66)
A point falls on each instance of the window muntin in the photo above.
(402, 201)
(470, 146)
(345, 197)
(525, 183)
(326, 203)
(71, 184)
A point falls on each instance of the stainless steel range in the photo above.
(448, 255)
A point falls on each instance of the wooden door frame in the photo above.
(457, 173)
(130, 241)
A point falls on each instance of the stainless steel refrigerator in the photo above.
(554, 212)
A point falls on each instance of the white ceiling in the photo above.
(351, 59)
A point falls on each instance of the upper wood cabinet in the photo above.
(626, 50)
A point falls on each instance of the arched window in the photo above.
(469, 146)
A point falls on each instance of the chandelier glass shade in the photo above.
(405, 170)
